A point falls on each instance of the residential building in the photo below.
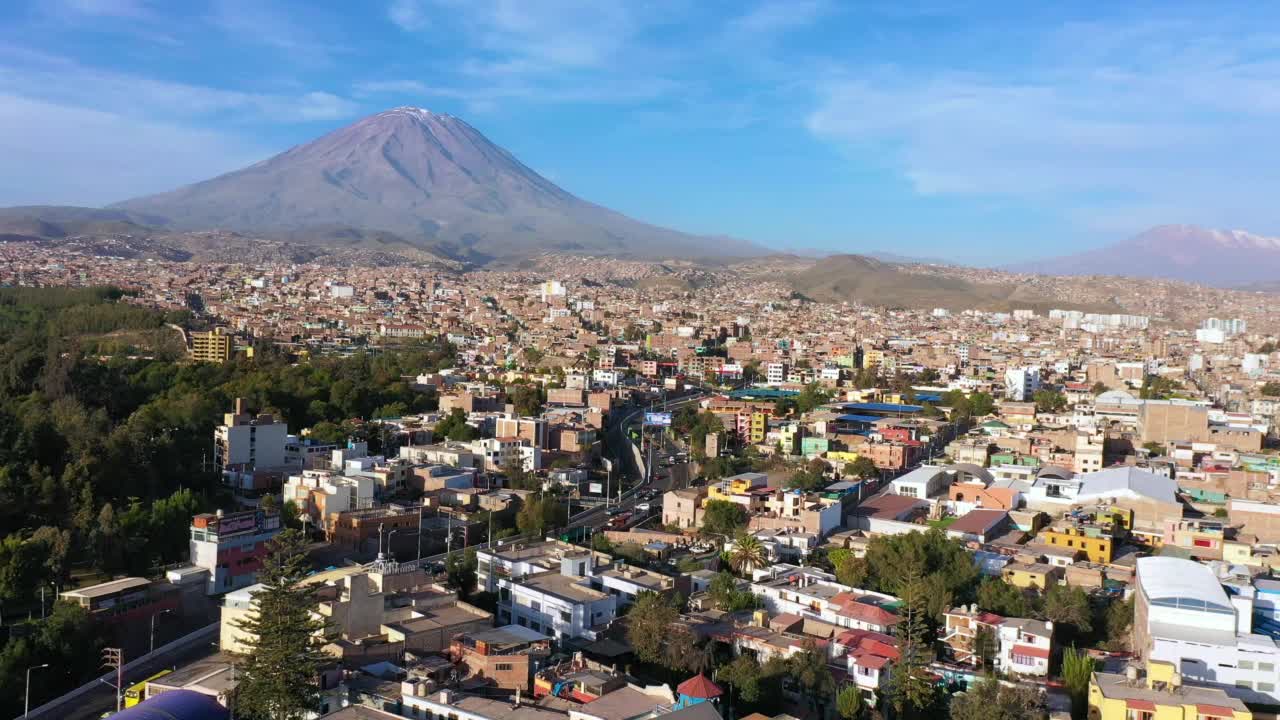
(213, 346)
(503, 657)
(1021, 383)
(232, 546)
(683, 508)
(245, 441)
(1016, 645)
(1163, 694)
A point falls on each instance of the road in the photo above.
(661, 480)
(93, 704)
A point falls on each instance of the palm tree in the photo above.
(748, 553)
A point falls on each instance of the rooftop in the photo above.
(1117, 686)
(108, 588)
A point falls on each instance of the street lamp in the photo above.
(153, 626)
(26, 705)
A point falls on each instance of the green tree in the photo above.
(984, 648)
(983, 404)
(862, 468)
(721, 517)
(911, 690)
(811, 397)
(538, 514)
(454, 427)
(1048, 400)
(460, 567)
(279, 676)
(1077, 670)
(743, 675)
(648, 625)
(809, 670)
(1098, 388)
(849, 703)
(989, 699)
(999, 597)
(1117, 621)
(724, 592)
(527, 400)
(1068, 607)
(1271, 388)
(1154, 448)
(748, 554)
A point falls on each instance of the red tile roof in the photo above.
(1031, 651)
(699, 686)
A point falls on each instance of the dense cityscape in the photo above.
(616, 490)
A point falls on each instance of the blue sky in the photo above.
(985, 132)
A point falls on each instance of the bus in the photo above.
(137, 692)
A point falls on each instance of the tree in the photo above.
(1154, 448)
(724, 592)
(862, 468)
(1157, 387)
(460, 568)
(811, 397)
(721, 517)
(743, 675)
(849, 703)
(279, 676)
(1099, 388)
(1271, 389)
(849, 570)
(1068, 607)
(983, 404)
(911, 690)
(648, 625)
(809, 669)
(930, 410)
(683, 653)
(1077, 671)
(748, 554)
(527, 400)
(1048, 400)
(984, 648)
(538, 514)
(454, 427)
(806, 480)
(1117, 620)
(999, 597)
(990, 699)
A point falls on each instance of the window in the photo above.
(565, 616)
(503, 666)
(1266, 667)
(1245, 665)
(1265, 687)
(1140, 715)
(1244, 684)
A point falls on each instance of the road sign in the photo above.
(660, 419)
(595, 488)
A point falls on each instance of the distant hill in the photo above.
(409, 176)
(858, 278)
(1223, 258)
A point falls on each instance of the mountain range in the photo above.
(1223, 258)
(429, 179)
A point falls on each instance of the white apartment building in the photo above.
(775, 373)
(1021, 383)
(247, 441)
(560, 603)
(812, 593)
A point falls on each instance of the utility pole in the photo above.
(418, 562)
(26, 704)
(153, 627)
(114, 658)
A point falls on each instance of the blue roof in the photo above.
(883, 407)
(763, 393)
(176, 705)
(928, 397)
(859, 418)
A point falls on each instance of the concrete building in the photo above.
(1021, 383)
(245, 441)
(503, 657)
(683, 508)
(1162, 695)
(231, 546)
(213, 346)
(1183, 616)
(1166, 421)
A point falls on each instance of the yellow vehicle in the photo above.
(137, 692)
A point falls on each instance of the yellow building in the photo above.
(1031, 575)
(872, 359)
(1097, 546)
(213, 346)
(737, 489)
(1161, 695)
(841, 456)
(758, 427)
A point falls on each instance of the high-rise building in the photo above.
(231, 546)
(213, 346)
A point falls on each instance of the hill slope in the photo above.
(1224, 258)
(428, 178)
(857, 278)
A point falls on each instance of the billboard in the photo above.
(595, 489)
(662, 419)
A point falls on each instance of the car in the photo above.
(614, 511)
(643, 507)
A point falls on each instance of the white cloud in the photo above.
(72, 155)
(128, 9)
(63, 81)
(1147, 120)
(778, 16)
(410, 15)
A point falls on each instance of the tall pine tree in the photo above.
(911, 690)
(279, 676)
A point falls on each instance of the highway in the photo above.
(661, 480)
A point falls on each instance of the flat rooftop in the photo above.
(1117, 686)
(108, 588)
(562, 586)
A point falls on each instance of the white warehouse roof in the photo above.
(1127, 481)
(1177, 581)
